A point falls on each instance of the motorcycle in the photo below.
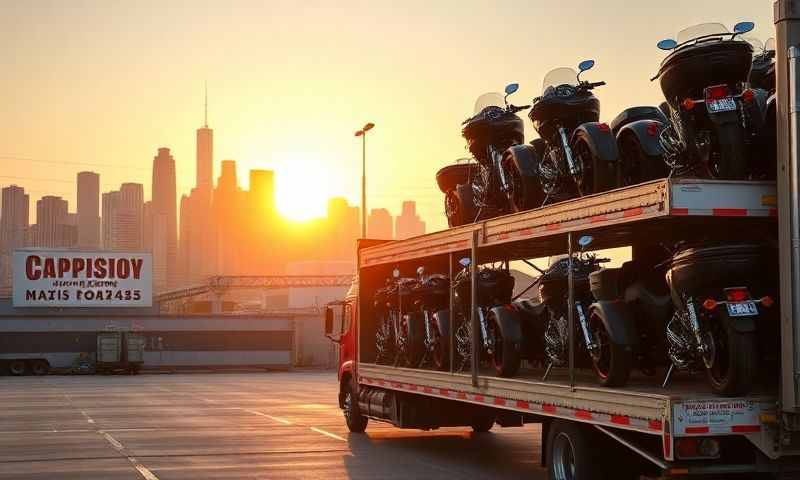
(611, 362)
(500, 185)
(762, 73)
(762, 77)
(500, 337)
(431, 298)
(715, 118)
(575, 155)
(715, 312)
(448, 178)
(397, 338)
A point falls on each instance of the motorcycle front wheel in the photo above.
(506, 354)
(596, 175)
(612, 363)
(734, 360)
(524, 190)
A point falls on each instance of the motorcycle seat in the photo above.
(530, 308)
(633, 114)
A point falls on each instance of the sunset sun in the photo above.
(301, 196)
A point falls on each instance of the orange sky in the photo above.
(108, 82)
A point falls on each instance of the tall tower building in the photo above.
(379, 224)
(52, 227)
(165, 218)
(262, 191)
(123, 218)
(13, 227)
(88, 210)
(205, 154)
(111, 202)
(408, 224)
(228, 219)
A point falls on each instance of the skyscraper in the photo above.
(262, 192)
(344, 228)
(52, 227)
(408, 223)
(123, 218)
(379, 224)
(88, 210)
(165, 218)
(228, 217)
(111, 202)
(205, 155)
(13, 227)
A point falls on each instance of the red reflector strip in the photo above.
(521, 404)
(444, 392)
(553, 226)
(412, 387)
(655, 425)
(620, 420)
(695, 430)
(478, 398)
(583, 414)
(499, 401)
(526, 231)
(427, 389)
(729, 212)
(598, 218)
(746, 428)
(633, 212)
(547, 408)
(462, 395)
(503, 236)
(679, 212)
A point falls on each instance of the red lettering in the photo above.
(78, 265)
(49, 268)
(112, 267)
(32, 265)
(63, 266)
(136, 263)
(89, 266)
(123, 268)
(100, 268)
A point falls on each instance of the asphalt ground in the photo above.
(270, 425)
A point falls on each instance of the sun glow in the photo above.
(301, 195)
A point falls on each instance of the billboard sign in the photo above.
(63, 278)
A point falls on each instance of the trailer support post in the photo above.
(571, 312)
(476, 329)
(451, 306)
(787, 76)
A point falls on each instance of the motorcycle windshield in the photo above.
(492, 99)
(559, 76)
(769, 46)
(701, 30)
(758, 45)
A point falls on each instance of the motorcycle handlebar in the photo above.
(595, 84)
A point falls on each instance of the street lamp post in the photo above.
(363, 134)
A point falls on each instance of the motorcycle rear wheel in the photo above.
(524, 190)
(506, 354)
(459, 206)
(440, 354)
(612, 363)
(735, 362)
(636, 166)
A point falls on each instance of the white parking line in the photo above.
(113, 441)
(277, 419)
(143, 471)
(86, 415)
(328, 434)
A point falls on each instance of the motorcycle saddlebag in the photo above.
(687, 71)
(605, 283)
(700, 270)
(452, 175)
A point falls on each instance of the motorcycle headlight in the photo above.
(565, 91)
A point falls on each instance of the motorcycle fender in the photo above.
(601, 141)
(617, 320)
(650, 143)
(442, 321)
(509, 322)
(525, 158)
(739, 324)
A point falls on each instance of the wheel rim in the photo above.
(563, 458)
(451, 209)
(718, 352)
(601, 357)
(348, 407)
(17, 368)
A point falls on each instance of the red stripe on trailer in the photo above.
(479, 398)
(729, 212)
(525, 232)
(552, 226)
(444, 392)
(462, 395)
(696, 430)
(525, 405)
(598, 218)
(583, 414)
(427, 389)
(547, 408)
(654, 425)
(620, 419)
(633, 212)
(499, 401)
(411, 386)
(503, 236)
(746, 428)
(679, 212)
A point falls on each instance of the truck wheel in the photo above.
(570, 454)
(356, 422)
(483, 424)
(17, 367)
(40, 367)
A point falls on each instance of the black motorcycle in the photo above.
(575, 154)
(499, 185)
(499, 335)
(762, 73)
(718, 294)
(431, 298)
(715, 118)
(611, 361)
(398, 338)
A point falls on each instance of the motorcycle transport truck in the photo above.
(725, 401)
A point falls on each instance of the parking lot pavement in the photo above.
(229, 426)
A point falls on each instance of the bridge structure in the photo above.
(216, 287)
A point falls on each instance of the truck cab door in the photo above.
(347, 337)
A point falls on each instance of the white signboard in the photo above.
(715, 416)
(59, 278)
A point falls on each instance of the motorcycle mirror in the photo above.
(585, 241)
(586, 65)
(465, 262)
(511, 88)
(396, 273)
(668, 44)
(743, 27)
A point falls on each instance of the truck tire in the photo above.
(356, 422)
(40, 367)
(571, 453)
(17, 367)
(483, 424)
